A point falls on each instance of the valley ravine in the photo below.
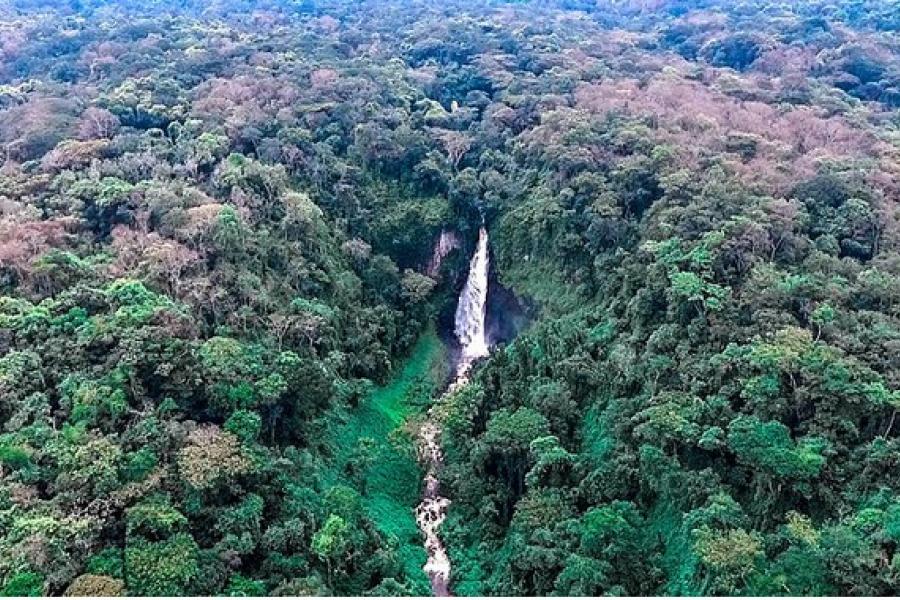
(469, 329)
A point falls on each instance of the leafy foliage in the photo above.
(217, 282)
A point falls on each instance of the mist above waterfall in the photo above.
(506, 315)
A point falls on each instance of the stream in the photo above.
(469, 329)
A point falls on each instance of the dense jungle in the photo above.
(236, 239)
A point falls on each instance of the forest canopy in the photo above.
(219, 299)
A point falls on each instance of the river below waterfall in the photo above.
(469, 329)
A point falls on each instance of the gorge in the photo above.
(469, 330)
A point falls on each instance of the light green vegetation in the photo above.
(378, 438)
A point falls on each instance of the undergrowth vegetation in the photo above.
(374, 449)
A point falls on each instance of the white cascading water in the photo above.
(470, 310)
(470, 331)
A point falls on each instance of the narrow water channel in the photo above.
(470, 331)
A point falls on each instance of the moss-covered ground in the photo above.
(391, 485)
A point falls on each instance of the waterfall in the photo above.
(470, 331)
(470, 310)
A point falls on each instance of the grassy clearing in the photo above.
(391, 485)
